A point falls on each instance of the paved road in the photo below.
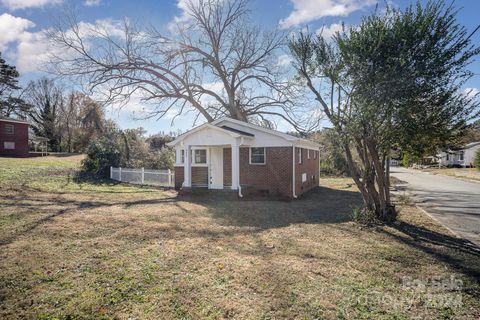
(455, 203)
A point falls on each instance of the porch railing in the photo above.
(160, 178)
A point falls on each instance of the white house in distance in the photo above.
(235, 155)
(463, 157)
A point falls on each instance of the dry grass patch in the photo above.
(469, 174)
(103, 250)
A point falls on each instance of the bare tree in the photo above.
(213, 62)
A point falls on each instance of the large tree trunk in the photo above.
(371, 177)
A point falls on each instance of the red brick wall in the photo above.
(179, 177)
(227, 167)
(19, 137)
(274, 176)
(308, 166)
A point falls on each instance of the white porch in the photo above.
(202, 157)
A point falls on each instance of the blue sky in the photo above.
(22, 22)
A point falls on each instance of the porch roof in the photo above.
(224, 130)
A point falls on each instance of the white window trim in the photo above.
(179, 162)
(300, 160)
(192, 157)
(250, 156)
(314, 154)
(9, 125)
(9, 142)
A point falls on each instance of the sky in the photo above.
(23, 22)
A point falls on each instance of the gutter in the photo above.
(293, 172)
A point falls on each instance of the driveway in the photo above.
(455, 203)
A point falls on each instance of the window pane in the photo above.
(9, 145)
(9, 128)
(200, 156)
(257, 155)
(182, 156)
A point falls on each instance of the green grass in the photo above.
(101, 250)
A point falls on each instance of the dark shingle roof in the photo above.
(238, 131)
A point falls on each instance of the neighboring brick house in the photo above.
(13, 137)
(234, 155)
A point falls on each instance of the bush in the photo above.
(126, 148)
(102, 154)
(363, 216)
(477, 160)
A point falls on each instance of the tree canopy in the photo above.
(393, 80)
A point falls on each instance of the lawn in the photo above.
(471, 174)
(73, 249)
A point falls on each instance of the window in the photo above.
(9, 128)
(315, 154)
(300, 155)
(461, 156)
(182, 156)
(9, 145)
(308, 153)
(257, 155)
(200, 156)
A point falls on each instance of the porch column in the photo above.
(235, 167)
(187, 167)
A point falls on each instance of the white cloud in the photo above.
(284, 60)
(12, 28)
(23, 4)
(91, 3)
(184, 19)
(329, 31)
(305, 11)
(33, 49)
(471, 92)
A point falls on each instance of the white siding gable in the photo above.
(209, 136)
(261, 139)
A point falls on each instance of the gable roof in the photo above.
(222, 125)
(7, 119)
(285, 136)
(471, 144)
(238, 131)
(233, 133)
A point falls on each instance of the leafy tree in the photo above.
(332, 160)
(10, 104)
(392, 81)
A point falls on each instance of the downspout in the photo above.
(240, 191)
(293, 170)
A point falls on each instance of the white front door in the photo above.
(216, 168)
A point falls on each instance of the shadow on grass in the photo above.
(458, 253)
(322, 205)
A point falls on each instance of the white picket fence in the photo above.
(160, 178)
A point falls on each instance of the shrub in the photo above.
(101, 155)
(363, 216)
(126, 148)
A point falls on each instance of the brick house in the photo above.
(234, 155)
(13, 137)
